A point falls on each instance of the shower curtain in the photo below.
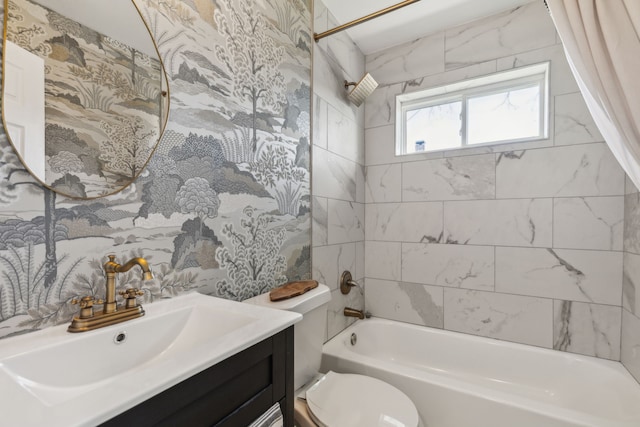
(601, 39)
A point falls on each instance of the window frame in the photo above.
(462, 91)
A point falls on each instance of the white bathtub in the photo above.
(459, 380)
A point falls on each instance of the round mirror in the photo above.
(84, 93)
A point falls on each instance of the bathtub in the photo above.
(459, 380)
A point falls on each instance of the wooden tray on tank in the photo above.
(292, 289)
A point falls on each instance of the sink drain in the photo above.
(354, 339)
(120, 337)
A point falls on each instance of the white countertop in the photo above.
(48, 384)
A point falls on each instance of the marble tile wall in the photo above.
(338, 190)
(630, 353)
(521, 242)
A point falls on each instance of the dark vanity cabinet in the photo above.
(232, 393)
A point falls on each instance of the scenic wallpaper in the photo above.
(223, 206)
(103, 101)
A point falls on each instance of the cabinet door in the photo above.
(231, 393)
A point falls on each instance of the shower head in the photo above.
(362, 89)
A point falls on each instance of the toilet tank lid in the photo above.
(301, 304)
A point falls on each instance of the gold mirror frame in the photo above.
(163, 116)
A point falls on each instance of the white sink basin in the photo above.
(55, 378)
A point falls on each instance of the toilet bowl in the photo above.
(335, 399)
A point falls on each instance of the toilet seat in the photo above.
(351, 400)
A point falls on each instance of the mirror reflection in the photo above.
(83, 103)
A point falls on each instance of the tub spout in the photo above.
(352, 312)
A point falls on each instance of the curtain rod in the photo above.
(363, 19)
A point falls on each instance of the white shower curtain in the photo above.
(602, 42)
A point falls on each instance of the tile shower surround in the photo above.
(521, 242)
(631, 282)
(338, 208)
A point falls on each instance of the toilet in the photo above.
(335, 399)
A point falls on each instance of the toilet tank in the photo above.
(309, 333)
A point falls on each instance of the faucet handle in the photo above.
(86, 302)
(86, 305)
(130, 295)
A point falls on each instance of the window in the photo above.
(510, 106)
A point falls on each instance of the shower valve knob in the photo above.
(346, 282)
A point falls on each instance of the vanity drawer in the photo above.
(233, 392)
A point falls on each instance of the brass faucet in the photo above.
(111, 313)
(352, 312)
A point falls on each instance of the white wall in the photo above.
(337, 169)
(521, 242)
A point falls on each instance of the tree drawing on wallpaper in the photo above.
(93, 83)
(289, 17)
(275, 170)
(175, 10)
(23, 289)
(197, 196)
(10, 167)
(238, 146)
(24, 35)
(64, 25)
(64, 163)
(9, 162)
(167, 37)
(254, 264)
(127, 149)
(251, 56)
(28, 287)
